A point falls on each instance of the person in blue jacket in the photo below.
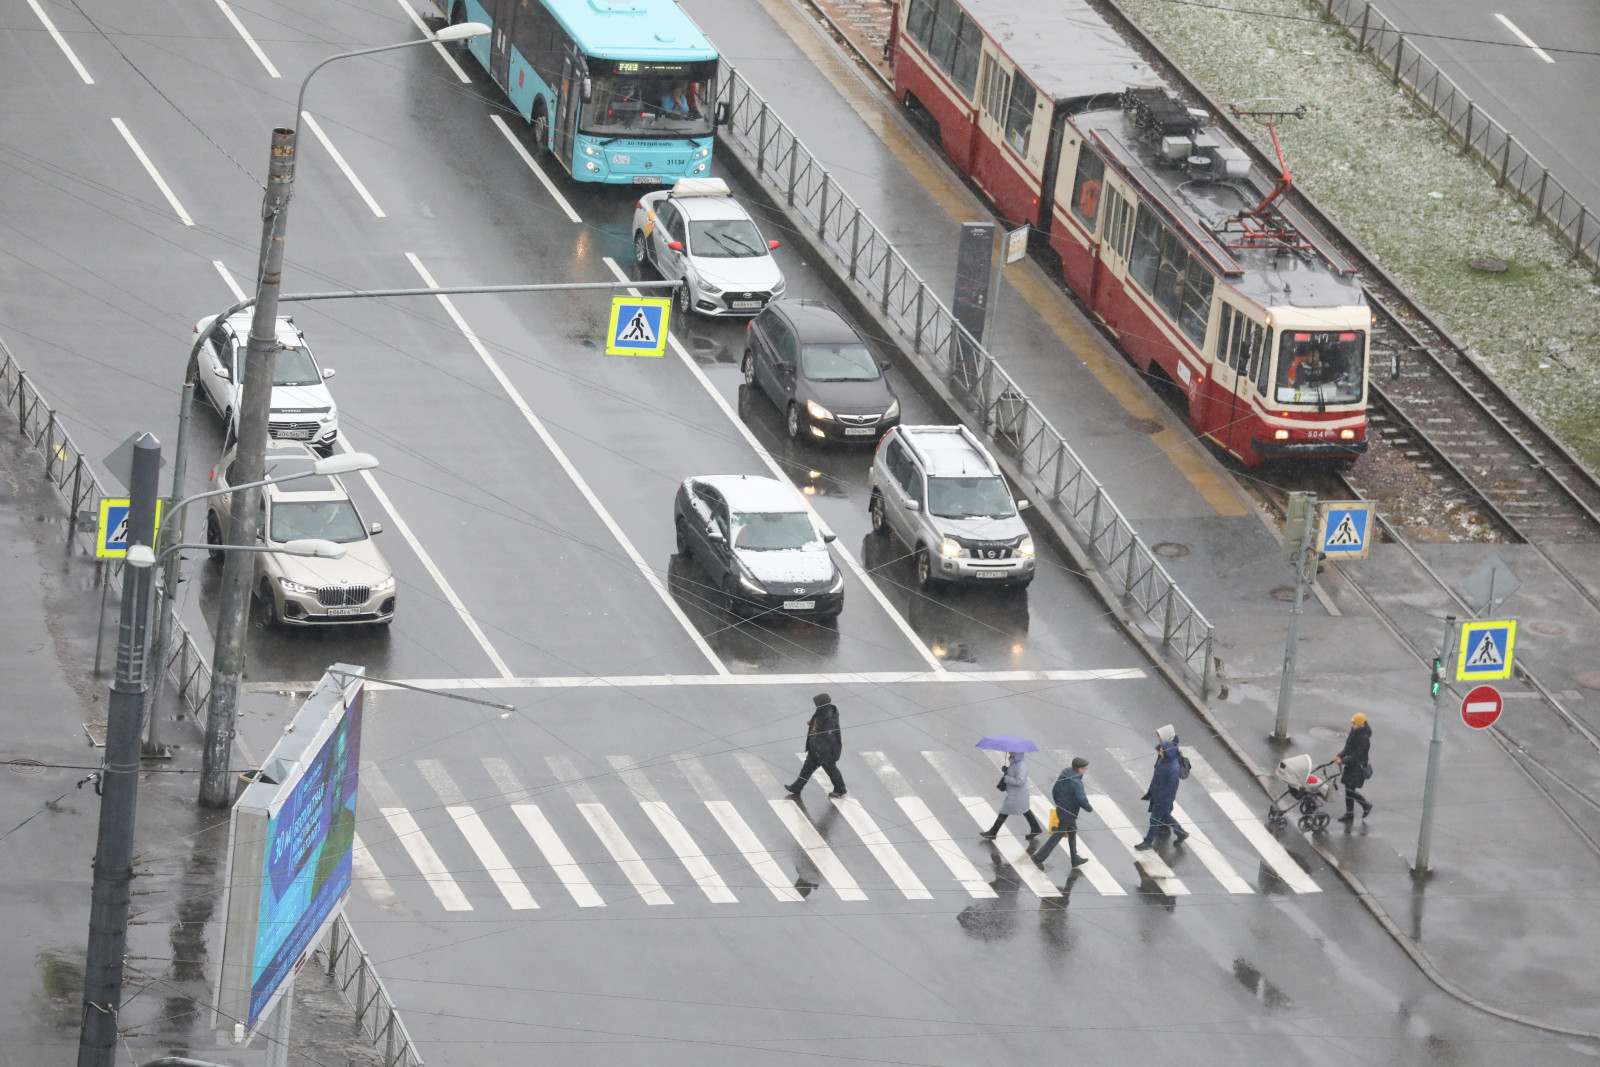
(1163, 791)
(1070, 799)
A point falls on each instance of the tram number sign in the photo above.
(1481, 707)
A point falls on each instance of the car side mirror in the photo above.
(883, 364)
(676, 246)
(1023, 503)
(913, 505)
(772, 244)
(587, 89)
(376, 528)
(720, 117)
(713, 534)
(328, 372)
(829, 538)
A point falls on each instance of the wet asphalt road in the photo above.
(523, 896)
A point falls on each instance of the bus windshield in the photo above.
(1320, 367)
(650, 105)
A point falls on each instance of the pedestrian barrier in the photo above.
(376, 1016)
(75, 479)
(880, 276)
(1513, 166)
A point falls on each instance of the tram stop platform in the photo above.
(1508, 913)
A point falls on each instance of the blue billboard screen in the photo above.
(308, 852)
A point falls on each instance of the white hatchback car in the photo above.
(302, 407)
(698, 232)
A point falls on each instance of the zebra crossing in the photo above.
(486, 836)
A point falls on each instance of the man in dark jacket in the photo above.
(1354, 758)
(1163, 791)
(823, 746)
(1070, 799)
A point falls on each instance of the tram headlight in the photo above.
(1347, 435)
(1280, 435)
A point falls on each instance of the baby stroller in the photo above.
(1308, 787)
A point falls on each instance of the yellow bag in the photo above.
(1055, 819)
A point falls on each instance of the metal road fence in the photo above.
(1513, 166)
(72, 475)
(880, 276)
(375, 1011)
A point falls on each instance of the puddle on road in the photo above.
(1257, 984)
(61, 988)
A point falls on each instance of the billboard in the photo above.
(289, 849)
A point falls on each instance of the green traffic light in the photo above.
(1438, 676)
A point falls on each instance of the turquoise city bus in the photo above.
(621, 91)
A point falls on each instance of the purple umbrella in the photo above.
(1007, 743)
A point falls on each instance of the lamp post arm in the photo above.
(300, 101)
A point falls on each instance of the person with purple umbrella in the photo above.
(1014, 781)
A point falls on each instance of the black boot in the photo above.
(793, 788)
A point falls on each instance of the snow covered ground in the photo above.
(1383, 168)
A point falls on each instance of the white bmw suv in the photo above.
(698, 232)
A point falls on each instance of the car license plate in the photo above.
(646, 179)
(744, 305)
(295, 435)
(344, 611)
(859, 431)
(990, 574)
(799, 605)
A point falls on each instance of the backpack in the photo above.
(1183, 766)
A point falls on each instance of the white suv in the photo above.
(698, 232)
(939, 491)
(302, 407)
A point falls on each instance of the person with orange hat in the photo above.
(1356, 761)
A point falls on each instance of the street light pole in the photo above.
(254, 412)
(119, 780)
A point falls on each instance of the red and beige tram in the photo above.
(1188, 253)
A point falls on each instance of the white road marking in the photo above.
(338, 158)
(1130, 835)
(556, 854)
(622, 850)
(428, 564)
(1199, 843)
(676, 834)
(249, 40)
(1102, 879)
(744, 839)
(1524, 38)
(1277, 857)
(669, 680)
(538, 171)
(364, 869)
(779, 473)
(61, 42)
(928, 826)
(827, 863)
(494, 861)
(155, 175)
(577, 479)
(1010, 846)
(427, 860)
(227, 278)
(878, 843)
(444, 54)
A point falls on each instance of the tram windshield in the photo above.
(654, 102)
(1320, 367)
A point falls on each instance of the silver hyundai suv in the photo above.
(938, 490)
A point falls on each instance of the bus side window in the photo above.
(1086, 185)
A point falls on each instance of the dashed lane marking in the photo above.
(249, 40)
(444, 53)
(538, 171)
(150, 169)
(61, 42)
(1524, 38)
(339, 160)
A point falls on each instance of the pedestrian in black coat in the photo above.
(823, 747)
(1355, 758)
(1070, 799)
(1163, 791)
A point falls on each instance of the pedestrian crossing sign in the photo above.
(111, 533)
(638, 326)
(1346, 528)
(1486, 650)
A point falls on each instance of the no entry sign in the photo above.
(1481, 707)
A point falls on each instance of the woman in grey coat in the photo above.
(1015, 780)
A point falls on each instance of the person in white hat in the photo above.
(1163, 791)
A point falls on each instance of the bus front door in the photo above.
(566, 116)
(505, 13)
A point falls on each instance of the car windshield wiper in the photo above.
(742, 245)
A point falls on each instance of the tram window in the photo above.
(1169, 274)
(996, 88)
(1019, 119)
(964, 65)
(952, 40)
(1227, 354)
(1259, 361)
(1086, 185)
(1146, 250)
(1196, 310)
(919, 20)
(1319, 367)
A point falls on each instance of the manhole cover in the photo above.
(1169, 549)
(1487, 264)
(1284, 593)
(26, 766)
(1588, 679)
(1145, 426)
(1326, 733)
(1548, 628)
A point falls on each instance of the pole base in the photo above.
(156, 751)
(1279, 740)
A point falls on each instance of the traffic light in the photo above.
(1438, 675)
(1300, 512)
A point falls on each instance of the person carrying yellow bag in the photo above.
(1070, 799)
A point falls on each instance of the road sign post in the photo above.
(1425, 834)
(1481, 707)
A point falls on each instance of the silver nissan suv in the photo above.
(938, 490)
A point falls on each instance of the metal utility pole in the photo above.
(119, 781)
(1299, 528)
(255, 403)
(1440, 695)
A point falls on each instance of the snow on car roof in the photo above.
(749, 492)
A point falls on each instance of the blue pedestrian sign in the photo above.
(638, 326)
(1486, 650)
(1346, 529)
(111, 533)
